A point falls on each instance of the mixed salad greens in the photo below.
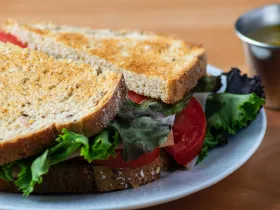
(143, 127)
(231, 110)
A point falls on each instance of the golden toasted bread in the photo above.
(40, 95)
(157, 66)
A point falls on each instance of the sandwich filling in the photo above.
(144, 126)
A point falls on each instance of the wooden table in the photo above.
(256, 185)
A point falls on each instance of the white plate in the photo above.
(220, 163)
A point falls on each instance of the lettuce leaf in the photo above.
(103, 146)
(242, 84)
(140, 129)
(6, 172)
(208, 84)
(31, 170)
(235, 83)
(144, 127)
(155, 106)
(234, 109)
(227, 113)
(24, 177)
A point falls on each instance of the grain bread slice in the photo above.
(81, 177)
(153, 65)
(40, 95)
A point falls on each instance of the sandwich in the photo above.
(103, 110)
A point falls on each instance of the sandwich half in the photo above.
(144, 124)
(153, 65)
(70, 127)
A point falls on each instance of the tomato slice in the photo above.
(136, 98)
(118, 161)
(6, 37)
(189, 132)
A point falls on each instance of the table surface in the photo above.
(256, 185)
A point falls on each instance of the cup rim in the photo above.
(245, 38)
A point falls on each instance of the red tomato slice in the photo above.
(136, 98)
(118, 162)
(5, 37)
(189, 132)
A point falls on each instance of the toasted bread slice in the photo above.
(82, 177)
(157, 66)
(40, 95)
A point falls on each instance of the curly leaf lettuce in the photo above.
(6, 172)
(226, 113)
(140, 129)
(31, 170)
(102, 148)
(242, 84)
(208, 84)
(236, 83)
(234, 111)
(144, 127)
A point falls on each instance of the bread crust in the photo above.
(81, 177)
(178, 87)
(25, 146)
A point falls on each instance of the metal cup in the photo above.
(262, 59)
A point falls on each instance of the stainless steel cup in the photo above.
(262, 59)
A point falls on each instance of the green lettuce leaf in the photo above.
(31, 170)
(144, 127)
(103, 146)
(208, 84)
(24, 177)
(6, 172)
(234, 111)
(227, 113)
(140, 129)
(159, 107)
